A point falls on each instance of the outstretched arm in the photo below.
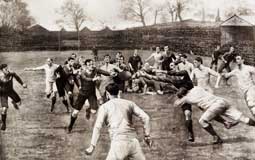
(96, 131)
(152, 55)
(216, 74)
(35, 69)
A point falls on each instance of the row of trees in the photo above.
(14, 15)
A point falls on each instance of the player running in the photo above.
(7, 90)
(213, 106)
(87, 90)
(65, 82)
(117, 114)
(50, 79)
(244, 74)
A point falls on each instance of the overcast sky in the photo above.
(44, 11)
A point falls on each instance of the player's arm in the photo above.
(156, 78)
(252, 70)
(140, 63)
(228, 75)
(215, 74)
(177, 73)
(35, 69)
(180, 101)
(103, 72)
(223, 57)
(96, 131)
(146, 123)
(192, 76)
(19, 80)
(152, 55)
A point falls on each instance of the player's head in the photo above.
(218, 47)
(70, 61)
(112, 89)
(239, 60)
(181, 92)
(135, 52)
(198, 61)
(183, 57)
(107, 58)
(157, 49)
(74, 55)
(4, 68)
(172, 66)
(121, 59)
(49, 61)
(231, 49)
(89, 63)
(166, 48)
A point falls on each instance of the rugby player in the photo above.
(215, 57)
(227, 58)
(105, 80)
(87, 90)
(185, 64)
(244, 74)
(7, 90)
(66, 81)
(202, 75)
(117, 114)
(50, 79)
(158, 58)
(213, 106)
(179, 79)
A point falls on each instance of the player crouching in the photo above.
(212, 106)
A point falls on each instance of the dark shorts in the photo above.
(186, 106)
(82, 98)
(224, 66)
(63, 86)
(215, 61)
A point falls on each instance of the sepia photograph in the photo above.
(127, 80)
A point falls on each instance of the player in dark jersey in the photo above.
(7, 90)
(215, 57)
(87, 91)
(65, 82)
(227, 58)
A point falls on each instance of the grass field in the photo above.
(33, 133)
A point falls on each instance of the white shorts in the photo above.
(50, 87)
(121, 149)
(221, 108)
(250, 97)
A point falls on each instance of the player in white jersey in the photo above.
(212, 106)
(185, 64)
(245, 74)
(201, 74)
(50, 79)
(105, 80)
(158, 58)
(117, 114)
